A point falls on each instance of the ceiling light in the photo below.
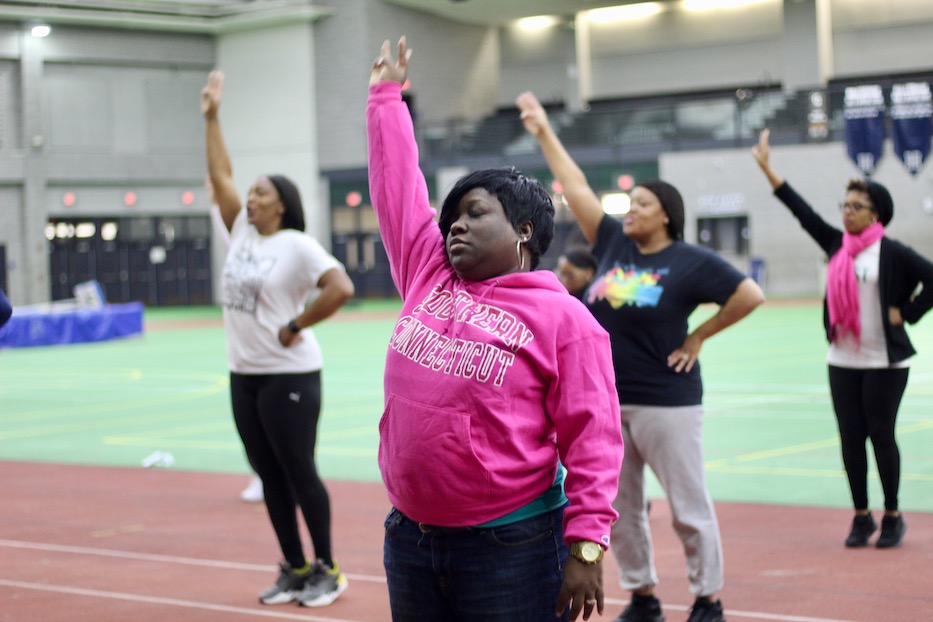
(624, 12)
(712, 5)
(616, 203)
(537, 22)
(40, 30)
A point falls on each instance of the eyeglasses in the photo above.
(854, 207)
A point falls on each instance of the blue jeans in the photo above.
(511, 573)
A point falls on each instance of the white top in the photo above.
(266, 283)
(871, 351)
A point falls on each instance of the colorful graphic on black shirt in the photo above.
(627, 286)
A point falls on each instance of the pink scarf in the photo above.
(841, 285)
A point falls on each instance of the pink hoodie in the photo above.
(487, 383)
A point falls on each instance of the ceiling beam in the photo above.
(204, 17)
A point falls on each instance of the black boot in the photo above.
(892, 532)
(863, 525)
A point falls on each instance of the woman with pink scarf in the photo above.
(870, 285)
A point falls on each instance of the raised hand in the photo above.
(533, 115)
(389, 69)
(210, 94)
(762, 151)
(762, 155)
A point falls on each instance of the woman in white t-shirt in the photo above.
(870, 294)
(270, 271)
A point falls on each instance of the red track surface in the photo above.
(107, 545)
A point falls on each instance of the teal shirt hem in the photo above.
(549, 500)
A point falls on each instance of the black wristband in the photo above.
(293, 326)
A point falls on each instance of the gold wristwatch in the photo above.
(587, 552)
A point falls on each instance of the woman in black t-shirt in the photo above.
(647, 284)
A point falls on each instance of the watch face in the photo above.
(587, 552)
(590, 551)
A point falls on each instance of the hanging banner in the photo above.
(864, 114)
(912, 123)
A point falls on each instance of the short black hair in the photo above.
(294, 215)
(581, 257)
(523, 198)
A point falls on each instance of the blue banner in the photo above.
(864, 114)
(912, 123)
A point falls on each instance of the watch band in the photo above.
(293, 326)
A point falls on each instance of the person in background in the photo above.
(494, 378)
(871, 282)
(648, 283)
(270, 271)
(576, 268)
(6, 309)
(253, 491)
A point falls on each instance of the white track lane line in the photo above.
(191, 561)
(169, 559)
(174, 602)
(757, 615)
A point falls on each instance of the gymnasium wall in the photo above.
(103, 111)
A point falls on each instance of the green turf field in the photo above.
(770, 434)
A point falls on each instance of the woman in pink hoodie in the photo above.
(500, 441)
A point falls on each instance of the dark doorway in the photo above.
(156, 260)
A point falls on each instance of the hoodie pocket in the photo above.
(428, 460)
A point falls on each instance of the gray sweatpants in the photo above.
(669, 440)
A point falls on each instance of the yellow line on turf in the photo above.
(786, 451)
(801, 472)
(169, 443)
(76, 409)
(106, 424)
(805, 447)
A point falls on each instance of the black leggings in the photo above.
(866, 403)
(277, 416)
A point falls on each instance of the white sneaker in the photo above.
(253, 492)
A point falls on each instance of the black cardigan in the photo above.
(900, 271)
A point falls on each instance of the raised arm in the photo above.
(582, 200)
(397, 186)
(822, 232)
(219, 169)
(762, 154)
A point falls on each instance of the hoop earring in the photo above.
(521, 255)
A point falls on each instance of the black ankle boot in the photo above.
(892, 532)
(863, 525)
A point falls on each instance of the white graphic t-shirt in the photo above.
(266, 283)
